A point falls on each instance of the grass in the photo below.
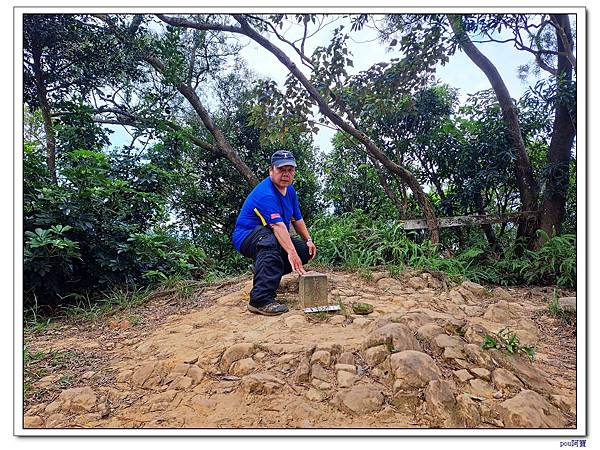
(40, 364)
(557, 311)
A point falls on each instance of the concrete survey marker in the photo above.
(312, 287)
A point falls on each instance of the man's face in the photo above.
(282, 176)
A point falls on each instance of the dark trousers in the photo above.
(270, 262)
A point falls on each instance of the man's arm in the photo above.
(301, 229)
(283, 237)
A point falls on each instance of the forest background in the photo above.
(105, 223)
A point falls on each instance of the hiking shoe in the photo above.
(270, 309)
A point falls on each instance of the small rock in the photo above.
(376, 355)
(337, 320)
(143, 375)
(124, 324)
(345, 379)
(398, 335)
(196, 374)
(463, 375)
(417, 283)
(346, 358)
(440, 402)
(316, 395)
(259, 356)
(453, 353)
(346, 368)
(477, 289)
(321, 385)
(318, 372)
(243, 367)
(501, 294)
(504, 379)
(321, 357)
(361, 322)
(481, 389)
(498, 395)
(261, 383)
(302, 373)
(87, 375)
(407, 402)
(468, 410)
(77, 400)
(443, 341)
(295, 321)
(481, 372)
(429, 331)
(234, 353)
(180, 370)
(568, 404)
(568, 303)
(360, 399)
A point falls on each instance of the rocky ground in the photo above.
(416, 361)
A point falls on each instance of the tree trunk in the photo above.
(387, 189)
(563, 134)
(372, 149)
(45, 109)
(528, 189)
(223, 145)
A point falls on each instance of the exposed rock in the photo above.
(321, 357)
(481, 372)
(196, 374)
(302, 374)
(337, 320)
(566, 403)
(417, 283)
(499, 312)
(528, 409)
(463, 375)
(180, 370)
(316, 395)
(333, 348)
(160, 402)
(456, 297)
(474, 333)
(443, 341)
(360, 399)
(321, 385)
(568, 303)
(181, 383)
(478, 356)
(236, 352)
(390, 285)
(376, 355)
(395, 335)
(477, 289)
(504, 379)
(77, 400)
(531, 376)
(243, 367)
(55, 421)
(441, 404)
(453, 353)
(145, 376)
(415, 319)
(480, 388)
(473, 311)
(429, 331)
(345, 379)
(413, 369)
(501, 294)
(469, 411)
(33, 422)
(318, 372)
(407, 402)
(260, 383)
(361, 322)
(346, 368)
(346, 358)
(124, 376)
(286, 362)
(295, 321)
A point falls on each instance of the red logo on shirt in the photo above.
(275, 216)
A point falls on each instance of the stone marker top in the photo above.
(313, 273)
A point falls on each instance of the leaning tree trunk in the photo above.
(372, 149)
(528, 189)
(563, 134)
(45, 109)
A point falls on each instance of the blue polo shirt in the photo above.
(266, 203)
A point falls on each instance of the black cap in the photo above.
(283, 158)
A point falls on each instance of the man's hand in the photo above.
(312, 249)
(296, 263)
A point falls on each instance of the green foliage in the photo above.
(509, 341)
(556, 310)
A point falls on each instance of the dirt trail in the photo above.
(414, 362)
